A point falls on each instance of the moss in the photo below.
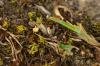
(21, 28)
(1, 62)
(33, 48)
(5, 24)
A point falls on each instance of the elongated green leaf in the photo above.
(67, 48)
(79, 30)
(66, 24)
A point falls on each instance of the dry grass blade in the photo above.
(4, 44)
(14, 52)
(12, 35)
(86, 37)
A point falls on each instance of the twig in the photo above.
(43, 10)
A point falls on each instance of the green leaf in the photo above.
(67, 48)
(79, 30)
(66, 24)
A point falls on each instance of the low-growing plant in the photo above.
(79, 30)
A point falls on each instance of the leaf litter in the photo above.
(49, 33)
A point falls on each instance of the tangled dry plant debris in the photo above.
(12, 35)
(29, 36)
